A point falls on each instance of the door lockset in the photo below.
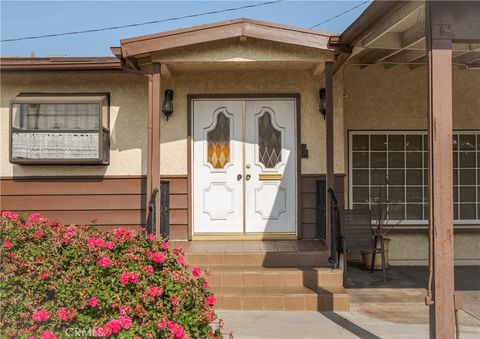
(248, 177)
(239, 177)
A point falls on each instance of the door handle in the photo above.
(248, 177)
(239, 177)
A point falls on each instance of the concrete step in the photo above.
(285, 298)
(311, 277)
(209, 260)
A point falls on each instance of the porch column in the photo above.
(442, 307)
(329, 152)
(153, 142)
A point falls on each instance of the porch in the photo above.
(266, 275)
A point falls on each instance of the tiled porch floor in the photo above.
(241, 246)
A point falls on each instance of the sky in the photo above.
(28, 18)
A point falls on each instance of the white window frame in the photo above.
(351, 133)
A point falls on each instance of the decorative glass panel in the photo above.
(270, 142)
(218, 140)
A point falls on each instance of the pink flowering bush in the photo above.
(124, 284)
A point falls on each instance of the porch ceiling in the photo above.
(399, 37)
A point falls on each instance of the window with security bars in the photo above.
(391, 168)
(60, 129)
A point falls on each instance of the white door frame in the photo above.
(297, 132)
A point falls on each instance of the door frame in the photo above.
(245, 96)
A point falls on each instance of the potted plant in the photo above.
(381, 226)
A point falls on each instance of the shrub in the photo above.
(58, 279)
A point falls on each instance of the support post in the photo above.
(441, 282)
(156, 112)
(153, 142)
(329, 152)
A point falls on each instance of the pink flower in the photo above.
(104, 262)
(47, 335)
(176, 329)
(174, 300)
(125, 310)
(158, 257)
(210, 300)
(154, 291)
(196, 272)
(165, 246)
(65, 314)
(109, 245)
(129, 277)
(114, 325)
(162, 324)
(95, 242)
(69, 234)
(122, 233)
(7, 244)
(205, 284)
(150, 237)
(148, 269)
(38, 234)
(36, 217)
(40, 315)
(125, 322)
(10, 215)
(92, 302)
(181, 260)
(45, 275)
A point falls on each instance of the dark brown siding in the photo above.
(110, 201)
(178, 206)
(309, 201)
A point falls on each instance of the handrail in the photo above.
(333, 259)
(152, 208)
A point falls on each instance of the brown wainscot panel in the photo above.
(178, 206)
(103, 201)
(308, 199)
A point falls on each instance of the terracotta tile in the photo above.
(253, 290)
(308, 259)
(340, 302)
(252, 279)
(312, 302)
(332, 279)
(215, 259)
(230, 302)
(273, 302)
(294, 302)
(232, 279)
(215, 279)
(218, 304)
(253, 259)
(272, 279)
(196, 259)
(288, 259)
(253, 302)
(271, 259)
(233, 259)
(292, 279)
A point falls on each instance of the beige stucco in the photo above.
(128, 117)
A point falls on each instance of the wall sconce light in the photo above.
(323, 102)
(167, 106)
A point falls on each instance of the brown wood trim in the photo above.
(60, 64)
(191, 97)
(70, 177)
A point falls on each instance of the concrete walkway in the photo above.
(310, 325)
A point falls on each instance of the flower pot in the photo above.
(367, 257)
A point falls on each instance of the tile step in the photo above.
(258, 259)
(311, 277)
(282, 299)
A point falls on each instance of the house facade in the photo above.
(244, 137)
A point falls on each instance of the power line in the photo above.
(340, 14)
(141, 23)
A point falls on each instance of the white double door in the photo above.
(244, 166)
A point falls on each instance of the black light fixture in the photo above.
(323, 102)
(167, 107)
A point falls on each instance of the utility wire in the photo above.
(340, 14)
(142, 23)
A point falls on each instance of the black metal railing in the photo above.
(335, 231)
(163, 209)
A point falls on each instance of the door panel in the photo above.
(218, 161)
(270, 166)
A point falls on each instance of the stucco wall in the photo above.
(128, 117)
(376, 98)
(174, 131)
